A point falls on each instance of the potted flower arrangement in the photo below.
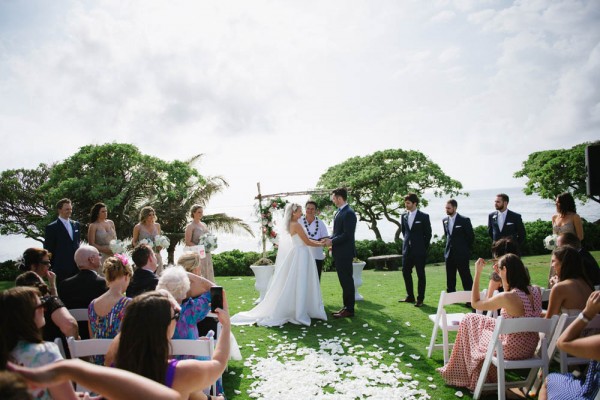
(357, 269)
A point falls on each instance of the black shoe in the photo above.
(419, 303)
(408, 299)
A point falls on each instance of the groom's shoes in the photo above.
(343, 314)
(338, 312)
(408, 299)
(419, 303)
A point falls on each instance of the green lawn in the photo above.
(377, 320)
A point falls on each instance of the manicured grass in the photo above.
(380, 313)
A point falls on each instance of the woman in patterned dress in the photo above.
(101, 230)
(106, 312)
(21, 320)
(519, 299)
(193, 233)
(148, 228)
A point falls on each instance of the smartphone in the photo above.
(216, 298)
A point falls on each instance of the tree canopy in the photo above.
(378, 182)
(118, 175)
(552, 172)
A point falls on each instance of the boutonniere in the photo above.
(445, 222)
(495, 217)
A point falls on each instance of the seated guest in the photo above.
(505, 245)
(21, 319)
(79, 290)
(106, 312)
(571, 292)
(158, 313)
(567, 386)
(38, 261)
(59, 323)
(590, 265)
(144, 277)
(518, 300)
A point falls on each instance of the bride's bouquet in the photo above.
(550, 242)
(117, 246)
(209, 241)
(161, 241)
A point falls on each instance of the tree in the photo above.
(552, 172)
(118, 175)
(378, 182)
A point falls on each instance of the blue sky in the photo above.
(278, 91)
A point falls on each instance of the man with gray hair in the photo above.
(79, 290)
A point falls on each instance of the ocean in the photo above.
(476, 206)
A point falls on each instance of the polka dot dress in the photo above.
(472, 340)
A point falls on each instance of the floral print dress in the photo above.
(107, 326)
(36, 355)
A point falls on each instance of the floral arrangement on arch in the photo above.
(266, 212)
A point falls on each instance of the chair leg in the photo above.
(446, 346)
(432, 341)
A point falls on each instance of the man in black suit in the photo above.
(79, 290)
(503, 222)
(343, 249)
(144, 278)
(459, 240)
(62, 240)
(416, 230)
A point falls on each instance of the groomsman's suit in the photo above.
(459, 240)
(58, 241)
(343, 251)
(513, 226)
(414, 253)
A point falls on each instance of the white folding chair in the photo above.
(61, 348)
(565, 359)
(448, 322)
(80, 314)
(495, 354)
(87, 348)
(545, 296)
(196, 348)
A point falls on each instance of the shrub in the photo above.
(9, 271)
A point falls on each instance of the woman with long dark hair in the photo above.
(21, 318)
(566, 218)
(101, 230)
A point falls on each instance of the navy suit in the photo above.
(414, 252)
(78, 292)
(343, 251)
(58, 242)
(143, 281)
(458, 252)
(513, 227)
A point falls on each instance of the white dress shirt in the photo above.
(317, 252)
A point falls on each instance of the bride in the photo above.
(294, 293)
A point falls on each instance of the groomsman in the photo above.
(459, 240)
(416, 230)
(62, 240)
(316, 230)
(505, 223)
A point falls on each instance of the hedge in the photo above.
(237, 263)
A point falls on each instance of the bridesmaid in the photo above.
(147, 228)
(101, 231)
(193, 232)
(566, 218)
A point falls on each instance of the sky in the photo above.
(276, 92)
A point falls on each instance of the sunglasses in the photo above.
(176, 316)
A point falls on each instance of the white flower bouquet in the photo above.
(147, 242)
(209, 241)
(117, 246)
(161, 241)
(550, 242)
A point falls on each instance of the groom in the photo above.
(342, 243)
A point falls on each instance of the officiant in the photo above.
(315, 229)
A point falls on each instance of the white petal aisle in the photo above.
(337, 370)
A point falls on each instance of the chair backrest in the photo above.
(525, 324)
(190, 347)
(80, 314)
(463, 296)
(88, 347)
(593, 328)
(545, 294)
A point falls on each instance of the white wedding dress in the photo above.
(294, 294)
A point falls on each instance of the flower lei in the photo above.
(266, 217)
(312, 235)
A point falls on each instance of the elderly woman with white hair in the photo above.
(193, 298)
